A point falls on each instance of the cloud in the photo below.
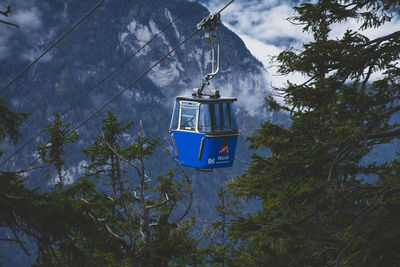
(265, 53)
(264, 28)
(339, 29)
(27, 18)
(264, 20)
(4, 47)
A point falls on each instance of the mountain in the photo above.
(97, 46)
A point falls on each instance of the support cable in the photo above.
(100, 83)
(133, 82)
(51, 47)
(222, 9)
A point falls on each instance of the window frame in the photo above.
(175, 115)
(196, 124)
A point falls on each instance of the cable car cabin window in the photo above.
(175, 116)
(204, 118)
(219, 117)
(232, 116)
(188, 116)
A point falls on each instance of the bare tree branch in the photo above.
(341, 254)
(243, 162)
(337, 160)
(12, 197)
(122, 158)
(8, 23)
(19, 240)
(387, 134)
(159, 204)
(112, 233)
(5, 13)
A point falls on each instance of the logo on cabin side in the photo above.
(224, 149)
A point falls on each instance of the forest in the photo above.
(326, 196)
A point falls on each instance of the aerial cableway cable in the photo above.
(142, 75)
(132, 83)
(101, 82)
(51, 47)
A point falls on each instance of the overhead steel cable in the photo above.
(51, 47)
(123, 89)
(222, 9)
(133, 82)
(143, 74)
(101, 82)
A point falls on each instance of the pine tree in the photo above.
(221, 250)
(10, 122)
(141, 216)
(326, 199)
(11, 186)
(53, 151)
(50, 219)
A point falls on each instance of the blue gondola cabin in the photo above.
(204, 132)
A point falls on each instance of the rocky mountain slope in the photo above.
(103, 41)
(96, 47)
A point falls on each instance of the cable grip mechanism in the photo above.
(210, 25)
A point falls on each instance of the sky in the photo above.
(264, 28)
(262, 24)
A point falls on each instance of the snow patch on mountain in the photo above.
(136, 36)
(155, 30)
(143, 34)
(122, 36)
(201, 57)
(32, 54)
(69, 174)
(168, 15)
(153, 27)
(129, 94)
(86, 75)
(164, 74)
